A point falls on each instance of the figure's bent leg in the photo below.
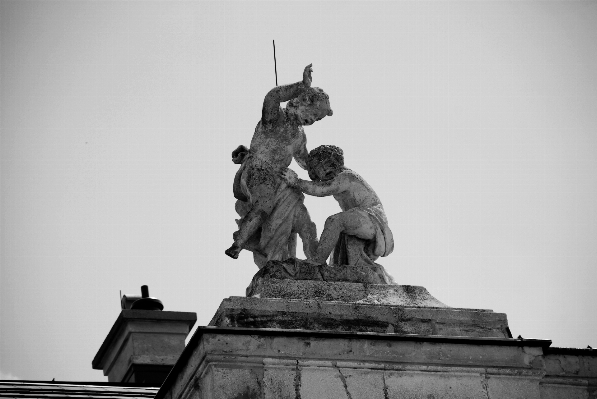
(329, 237)
(262, 185)
(252, 222)
(352, 222)
(307, 231)
(309, 238)
(292, 245)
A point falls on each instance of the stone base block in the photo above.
(358, 317)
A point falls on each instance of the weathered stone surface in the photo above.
(236, 382)
(382, 294)
(361, 317)
(569, 363)
(566, 389)
(359, 382)
(424, 384)
(513, 386)
(570, 373)
(346, 306)
(279, 380)
(256, 363)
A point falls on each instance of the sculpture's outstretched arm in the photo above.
(316, 188)
(277, 95)
(321, 188)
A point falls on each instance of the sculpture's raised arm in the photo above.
(280, 94)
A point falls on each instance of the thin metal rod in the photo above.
(275, 64)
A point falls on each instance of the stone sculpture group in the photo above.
(270, 199)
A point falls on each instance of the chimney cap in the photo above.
(146, 302)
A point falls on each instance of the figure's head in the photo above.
(325, 162)
(312, 105)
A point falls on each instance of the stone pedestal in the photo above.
(315, 340)
(344, 306)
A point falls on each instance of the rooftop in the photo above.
(73, 390)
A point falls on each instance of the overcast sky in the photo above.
(475, 122)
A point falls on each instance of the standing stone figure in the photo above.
(271, 211)
(360, 233)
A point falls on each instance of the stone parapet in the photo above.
(227, 363)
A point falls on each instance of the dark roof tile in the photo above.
(73, 390)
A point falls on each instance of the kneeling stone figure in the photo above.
(362, 213)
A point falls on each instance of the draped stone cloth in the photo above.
(275, 240)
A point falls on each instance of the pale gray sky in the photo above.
(475, 122)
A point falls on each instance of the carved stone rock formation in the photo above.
(296, 269)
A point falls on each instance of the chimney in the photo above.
(145, 342)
